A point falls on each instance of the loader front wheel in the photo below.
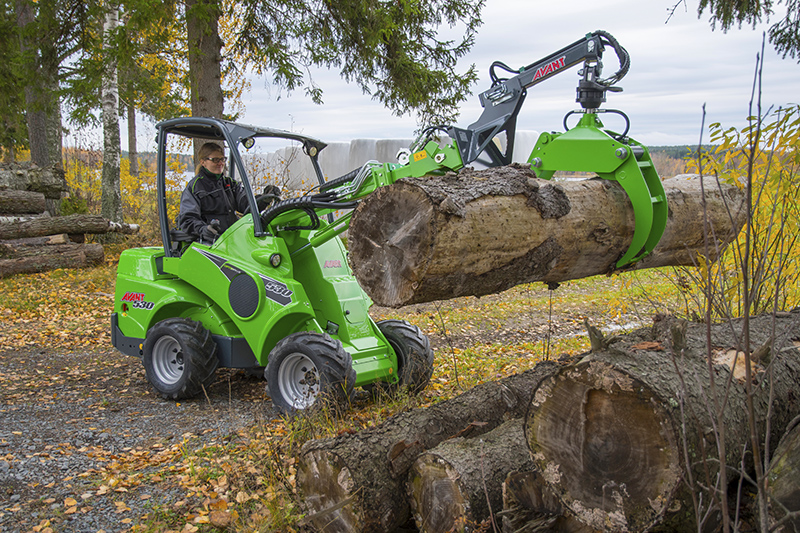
(179, 357)
(306, 368)
(414, 353)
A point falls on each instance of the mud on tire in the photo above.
(179, 357)
(307, 367)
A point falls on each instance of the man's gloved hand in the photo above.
(270, 195)
(210, 232)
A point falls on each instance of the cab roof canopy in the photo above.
(212, 129)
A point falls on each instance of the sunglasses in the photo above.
(217, 160)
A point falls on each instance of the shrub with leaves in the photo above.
(760, 269)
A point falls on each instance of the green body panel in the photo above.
(586, 148)
(144, 297)
(312, 291)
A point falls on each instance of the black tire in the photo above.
(179, 357)
(306, 367)
(414, 354)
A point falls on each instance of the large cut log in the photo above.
(457, 485)
(784, 480)
(356, 483)
(71, 224)
(611, 433)
(21, 202)
(482, 232)
(32, 259)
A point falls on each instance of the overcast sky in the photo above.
(676, 67)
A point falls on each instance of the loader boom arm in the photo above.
(587, 147)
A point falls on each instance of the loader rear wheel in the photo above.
(179, 357)
(414, 354)
(307, 367)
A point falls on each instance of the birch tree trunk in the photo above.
(111, 201)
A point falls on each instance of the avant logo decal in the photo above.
(332, 263)
(137, 301)
(550, 68)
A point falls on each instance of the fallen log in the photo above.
(32, 259)
(784, 480)
(71, 224)
(482, 232)
(21, 202)
(457, 485)
(355, 483)
(611, 433)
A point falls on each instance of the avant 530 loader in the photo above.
(275, 289)
(261, 295)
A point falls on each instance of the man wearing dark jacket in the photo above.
(210, 200)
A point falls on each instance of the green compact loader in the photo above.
(273, 293)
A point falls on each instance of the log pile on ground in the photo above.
(482, 232)
(33, 241)
(29, 177)
(607, 442)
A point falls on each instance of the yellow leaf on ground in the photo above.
(220, 519)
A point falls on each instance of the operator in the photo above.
(210, 200)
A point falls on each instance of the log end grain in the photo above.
(605, 447)
(437, 501)
(327, 493)
(398, 245)
(529, 505)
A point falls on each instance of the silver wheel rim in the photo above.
(168, 363)
(298, 380)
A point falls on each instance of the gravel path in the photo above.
(66, 419)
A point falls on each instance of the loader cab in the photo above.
(233, 136)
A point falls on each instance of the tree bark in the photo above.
(111, 199)
(21, 202)
(133, 152)
(482, 232)
(42, 226)
(354, 483)
(612, 433)
(784, 479)
(457, 485)
(35, 97)
(205, 58)
(32, 259)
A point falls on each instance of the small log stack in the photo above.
(33, 241)
(356, 483)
